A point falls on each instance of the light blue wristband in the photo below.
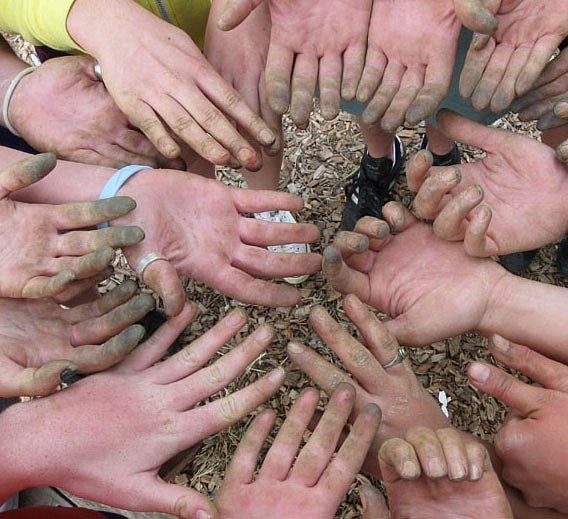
(115, 182)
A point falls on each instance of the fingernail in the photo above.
(294, 347)
(409, 470)
(561, 109)
(500, 344)
(202, 514)
(381, 229)
(451, 175)
(475, 473)
(68, 376)
(474, 193)
(276, 374)
(458, 473)
(437, 470)
(236, 317)
(264, 332)
(246, 156)
(267, 137)
(479, 372)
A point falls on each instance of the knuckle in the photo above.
(214, 375)
(229, 409)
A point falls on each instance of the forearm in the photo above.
(529, 313)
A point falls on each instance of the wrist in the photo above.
(497, 307)
(14, 95)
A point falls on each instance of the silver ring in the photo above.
(398, 358)
(98, 71)
(146, 260)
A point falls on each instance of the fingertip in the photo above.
(478, 373)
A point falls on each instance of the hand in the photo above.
(437, 474)
(395, 390)
(44, 252)
(506, 65)
(409, 80)
(310, 39)
(511, 218)
(431, 287)
(239, 56)
(531, 442)
(143, 414)
(39, 340)
(196, 223)
(162, 82)
(80, 122)
(311, 484)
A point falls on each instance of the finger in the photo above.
(98, 329)
(137, 144)
(509, 390)
(478, 460)
(154, 348)
(343, 278)
(88, 265)
(475, 16)
(492, 76)
(377, 231)
(429, 451)
(505, 92)
(548, 121)
(375, 64)
(353, 65)
(79, 243)
(17, 381)
(262, 234)
(454, 452)
(462, 129)
(373, 502)
(260, 262)
(253, 201)
(142, 116)
(476, 242)
(451, 223)
(112, 299)
(429, 201)
(280, 458)
(25, 172)
(223, 412)
(79, 287)
(411, 83)
(417, 169)
(384, 95)
(562, 152)
(398, 460)
(304, 79)
(196, 354)
(398, 217)
(316, 454)
(474, 66)
(243, 463)
(544, 48)
(162, 277)
(116, 156)
(350, 243)
(347, 463)
(324, 374)
(330, 67)
(546, 372)
(437, 79)
(211, 379)
(87, 214)
(278, 74)
(234, 12)
(45, 286)
(357, 359)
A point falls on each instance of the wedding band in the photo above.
(98, 71)
(147, 260)
(398, 358)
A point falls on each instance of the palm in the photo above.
(420, 70)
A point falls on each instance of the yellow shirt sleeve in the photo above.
(41, 22)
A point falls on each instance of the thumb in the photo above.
(25, 172)
(176, 500)
(235, 12)
(475, 16)
(374, 504)
(40, 381)
(466, 131)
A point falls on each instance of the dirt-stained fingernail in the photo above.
(296, 348)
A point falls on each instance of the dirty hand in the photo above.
(39, 340)
(490, 204)
(292, 485)
(503, 66)
(530, 442)
(144, 412)
(430, 287)
(45, 248)
(396, 390)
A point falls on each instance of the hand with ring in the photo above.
(378, 372)
(46, 249)
(430, 287)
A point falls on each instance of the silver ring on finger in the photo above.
(147, 260)
(398, 358)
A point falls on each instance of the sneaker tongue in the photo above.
(379, 170)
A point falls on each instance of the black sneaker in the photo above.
(372, 188)
(518, 262)
(451, 158)
(562, 256)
